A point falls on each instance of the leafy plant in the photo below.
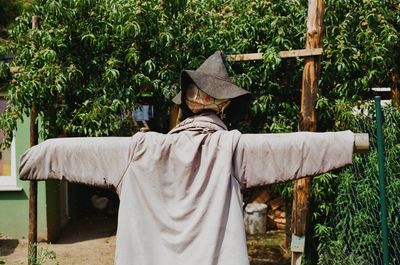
(44, 256)
(84, 50)
(350, 229)
(9, 9)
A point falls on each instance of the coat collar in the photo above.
(206, 121)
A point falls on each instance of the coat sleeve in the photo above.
(262, 159)
(99, 161)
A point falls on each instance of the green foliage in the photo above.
(44, 256)
(92, 59)
(9, 10)
(348, 217)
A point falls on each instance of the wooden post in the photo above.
(308, 122)
(173, 116)
(394, 90)
(34, 137)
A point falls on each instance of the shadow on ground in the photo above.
(8, 246)
(88, 228)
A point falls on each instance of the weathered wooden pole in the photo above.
(174, 113)
(394, 89)
(308, 122)
(34, 137)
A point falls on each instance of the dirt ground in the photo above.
(92, 241)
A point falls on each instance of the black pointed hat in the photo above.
(211, 77)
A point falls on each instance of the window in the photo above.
(8, 180)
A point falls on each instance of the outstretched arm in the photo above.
(262, 159)
(100, 161)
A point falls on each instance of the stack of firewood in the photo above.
(276, 214)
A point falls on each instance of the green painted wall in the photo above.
(14, 204)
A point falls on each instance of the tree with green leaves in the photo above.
(9, 10)
(90, 60)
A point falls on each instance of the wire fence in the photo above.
(355, 228)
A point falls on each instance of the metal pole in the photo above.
(381, 168)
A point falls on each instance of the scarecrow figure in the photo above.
(180, 193)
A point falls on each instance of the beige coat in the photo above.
(180, 193)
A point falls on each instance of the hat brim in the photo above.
(213, 86)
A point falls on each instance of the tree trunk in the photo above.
(34, 138)
(395, 93)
